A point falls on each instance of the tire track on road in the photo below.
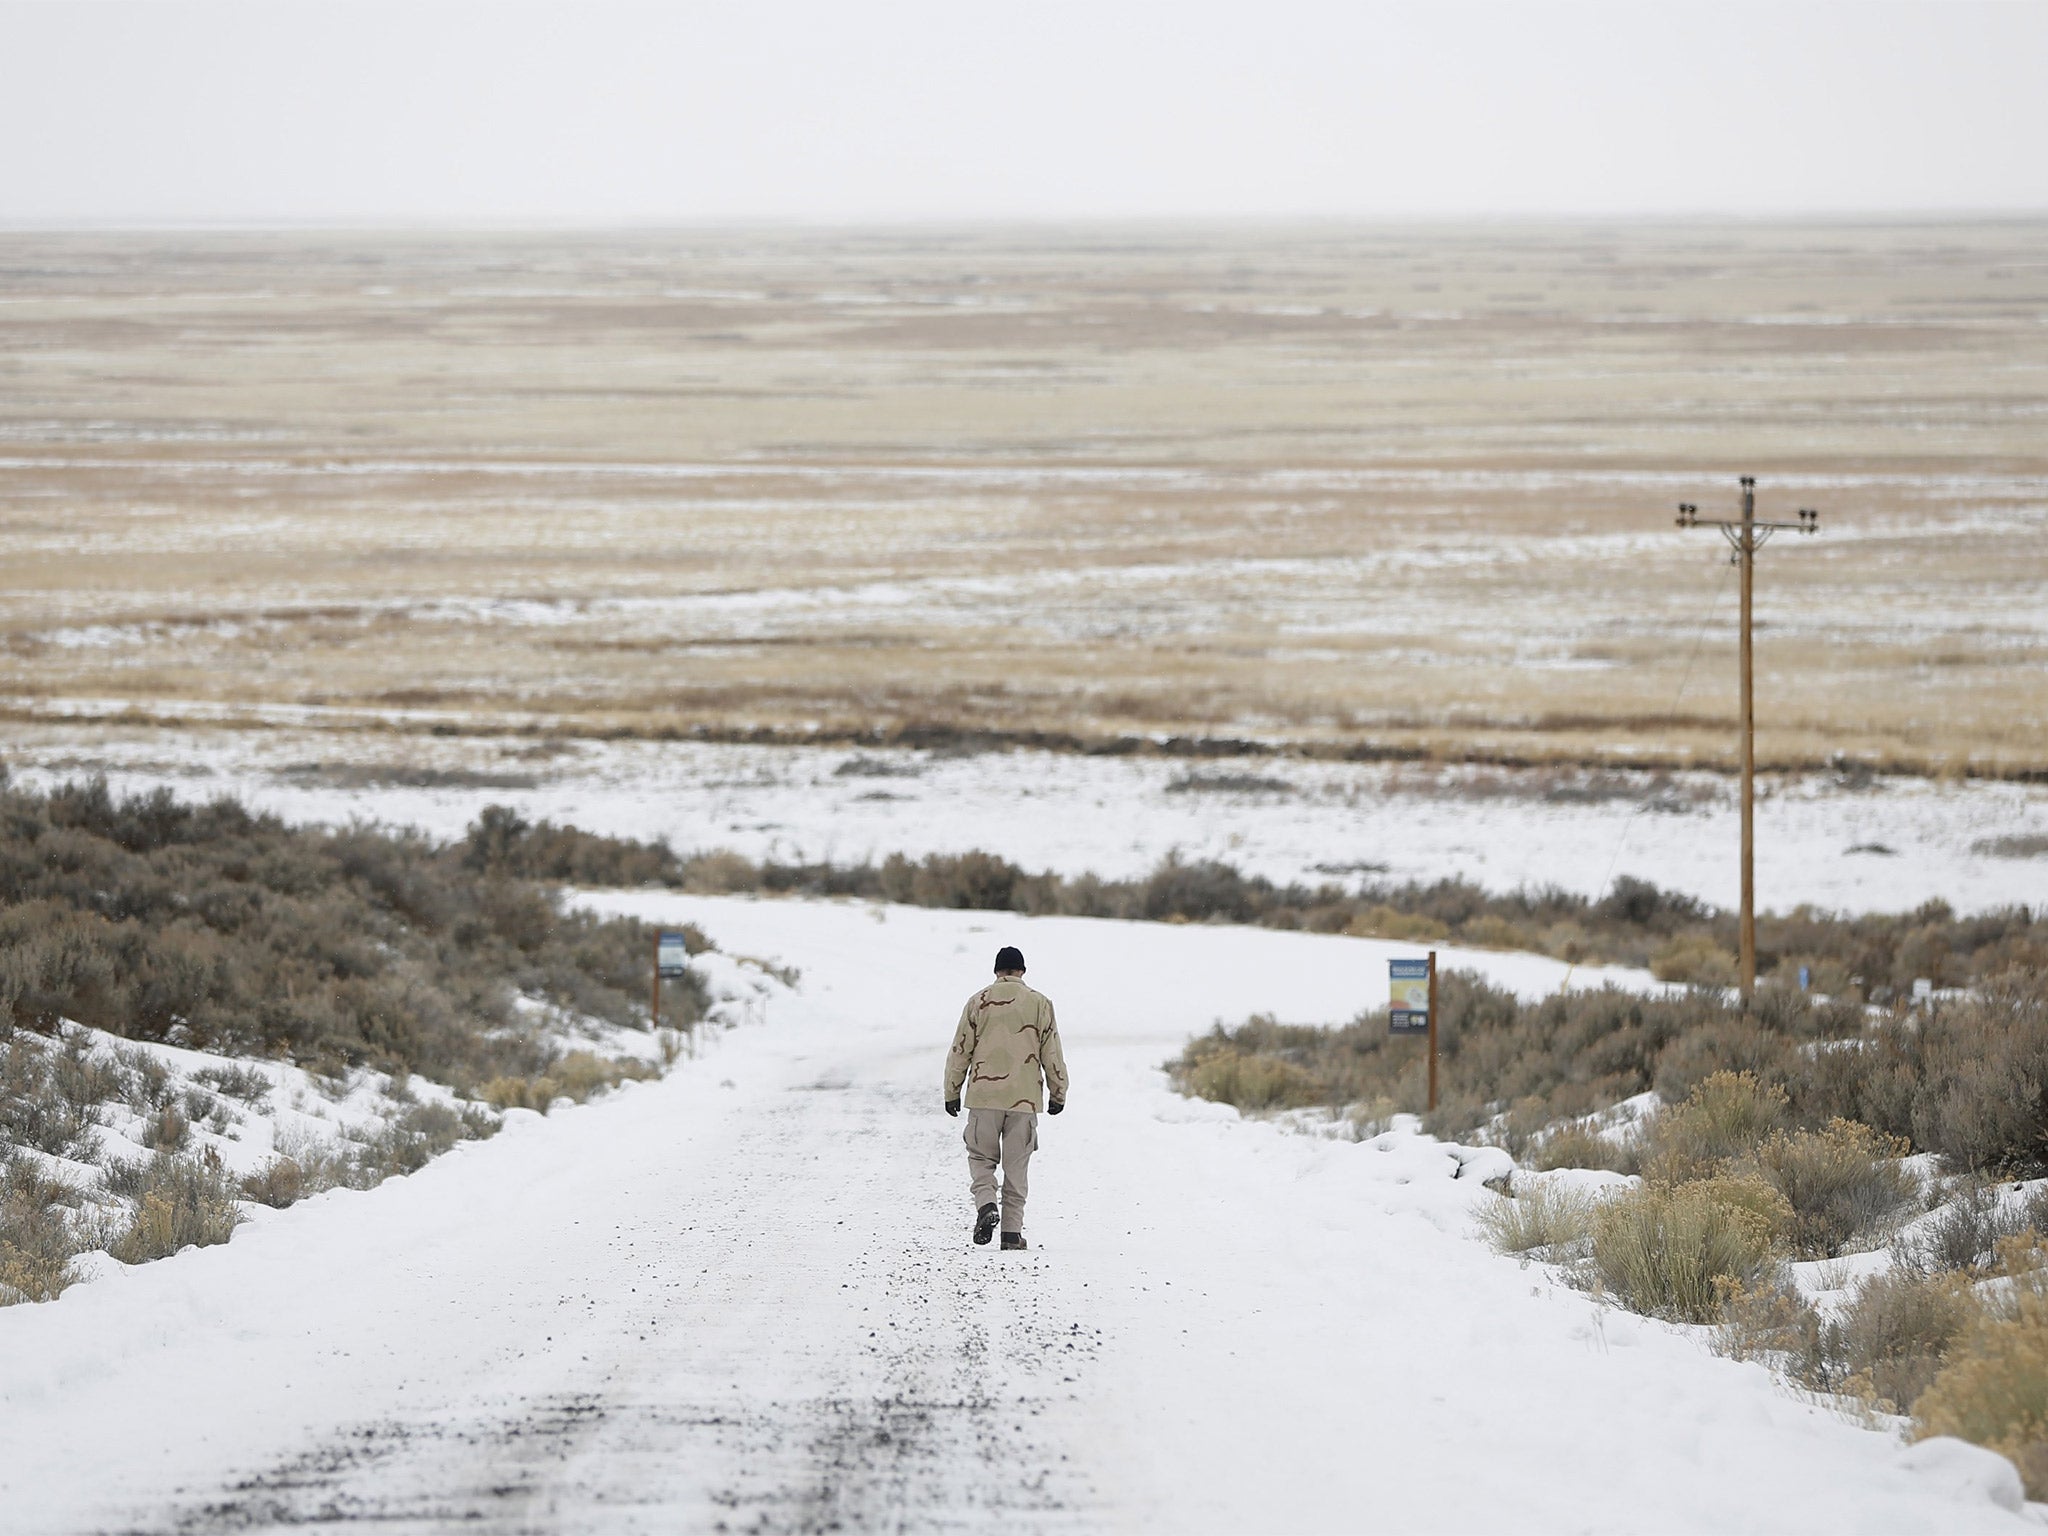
(804, 1342)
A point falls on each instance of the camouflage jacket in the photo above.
(1007, 1041)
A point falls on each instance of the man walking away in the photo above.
(1006, 1049)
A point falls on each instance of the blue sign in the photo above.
(671, 955)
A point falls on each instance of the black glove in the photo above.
(1055, 1106)
(953, 1108)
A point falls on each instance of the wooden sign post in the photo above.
(1432, 1030)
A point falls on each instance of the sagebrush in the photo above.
(1967, 1080)
(218, 928)
(1874, 956)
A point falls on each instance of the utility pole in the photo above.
(1746, 537)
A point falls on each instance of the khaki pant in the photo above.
(1005, 1136)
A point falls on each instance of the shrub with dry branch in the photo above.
(1965, 1234)
(1580, 1146)
(1888, 1341)
(32, 1114)
(1842, 1181)
(1545, 1217)
(1896, 1332)
(408, 1144)
(179, 1202)
(281, 1183)
(39, 1233)
(577, 1075)
(1994, 1390)
(1673, 1251)
(1726, 1116)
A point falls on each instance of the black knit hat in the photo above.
(1009, 958)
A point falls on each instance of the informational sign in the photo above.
(1407, 997)
(671, 955)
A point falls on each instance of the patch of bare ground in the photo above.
(1393, 491)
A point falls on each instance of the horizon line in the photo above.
(907, 223)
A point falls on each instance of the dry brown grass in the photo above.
(1382, 490)
(180, 1202)
(1994, 1389)
(577, 1075)
(1676, 1250)
(1545, 1219)
(1580, 1146)
(1883, 1346)
(41, 1232)
(1726, 1116)
(1897, 1331)
(1844, 1183)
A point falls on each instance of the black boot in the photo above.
(985, 1223)
(1014, 1240)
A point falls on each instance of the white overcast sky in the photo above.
(836, 110)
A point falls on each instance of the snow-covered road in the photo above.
(742, 1299)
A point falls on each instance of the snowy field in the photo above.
(742, 1298)
(1859, 844)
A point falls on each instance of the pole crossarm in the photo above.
(1733, 529)
(1745, 536)
(1688, 517)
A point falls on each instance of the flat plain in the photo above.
(1357, 490)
